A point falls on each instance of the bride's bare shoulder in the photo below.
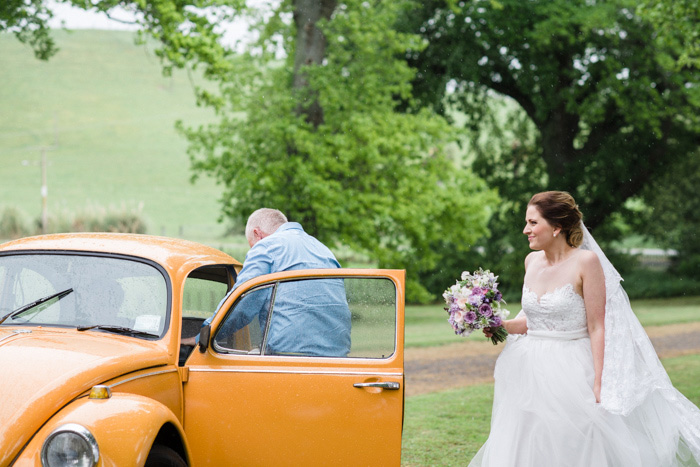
(532, 256)
(589, 262)
(588, 257)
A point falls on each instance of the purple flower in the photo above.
(475, 299)
(474, 303)
(452, 323)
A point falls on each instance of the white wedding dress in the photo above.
(544, 410)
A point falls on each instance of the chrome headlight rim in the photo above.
(75, 429)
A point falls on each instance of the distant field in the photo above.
(107, 114)
(426, 325)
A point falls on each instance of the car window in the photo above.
(321, 317)
(372, 302)
(204, 289)
(242, 330)
(201, 297)
(26, 285)
(108, 291)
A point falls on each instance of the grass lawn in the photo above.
(657, 312)
(426, 325)
(107, 115)
(447, 428)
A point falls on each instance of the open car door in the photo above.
(315, 378)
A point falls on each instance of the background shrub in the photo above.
(13, 223)
(123, 219)
(649, 283)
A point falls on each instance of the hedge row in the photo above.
(16, 224)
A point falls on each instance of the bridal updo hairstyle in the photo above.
(560, 209)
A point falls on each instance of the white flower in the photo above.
(462, 296)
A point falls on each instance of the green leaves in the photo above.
(610, 106)
(677, 25)
(332, 138)
(28, 21)
(369, 177)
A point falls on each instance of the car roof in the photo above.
(172, 253)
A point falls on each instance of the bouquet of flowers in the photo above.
(475, 303)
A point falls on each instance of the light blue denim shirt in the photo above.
(310, 317)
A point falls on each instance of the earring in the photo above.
(555, 234)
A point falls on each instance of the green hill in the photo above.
(106, 114)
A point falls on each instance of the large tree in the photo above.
(309, 123)
(610, 107)
(318, 135)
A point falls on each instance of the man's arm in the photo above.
(257, 262)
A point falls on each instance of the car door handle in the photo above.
(378, 384)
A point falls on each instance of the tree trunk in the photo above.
(310, 50)
(558, 132)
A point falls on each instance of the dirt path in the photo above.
(464, 363)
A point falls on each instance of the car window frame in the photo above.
(273, 279)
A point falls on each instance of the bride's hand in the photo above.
(487, 332)
(596, 392)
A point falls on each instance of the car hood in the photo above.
(43, 369)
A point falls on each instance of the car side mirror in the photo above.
(204, 335)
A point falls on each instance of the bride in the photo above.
(578, 382)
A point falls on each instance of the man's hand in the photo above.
(189, 341)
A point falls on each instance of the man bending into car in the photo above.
(310, 317)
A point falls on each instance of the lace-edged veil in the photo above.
(632, 370)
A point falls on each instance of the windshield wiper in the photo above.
(31, 305)
(117, 330)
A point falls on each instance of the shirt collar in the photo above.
(289, 226)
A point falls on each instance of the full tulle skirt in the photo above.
(545, 414)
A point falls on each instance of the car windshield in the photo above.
(109, 291)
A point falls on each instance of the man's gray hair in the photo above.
(265, 219)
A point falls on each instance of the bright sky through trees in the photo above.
(71, 17)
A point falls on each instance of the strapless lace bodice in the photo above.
(560, 310)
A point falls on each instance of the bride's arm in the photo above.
(594, 299)
(517, 325)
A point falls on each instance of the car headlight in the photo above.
(70, 445)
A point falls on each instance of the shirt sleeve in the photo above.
(257, 262)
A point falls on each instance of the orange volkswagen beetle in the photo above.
(95, 373)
